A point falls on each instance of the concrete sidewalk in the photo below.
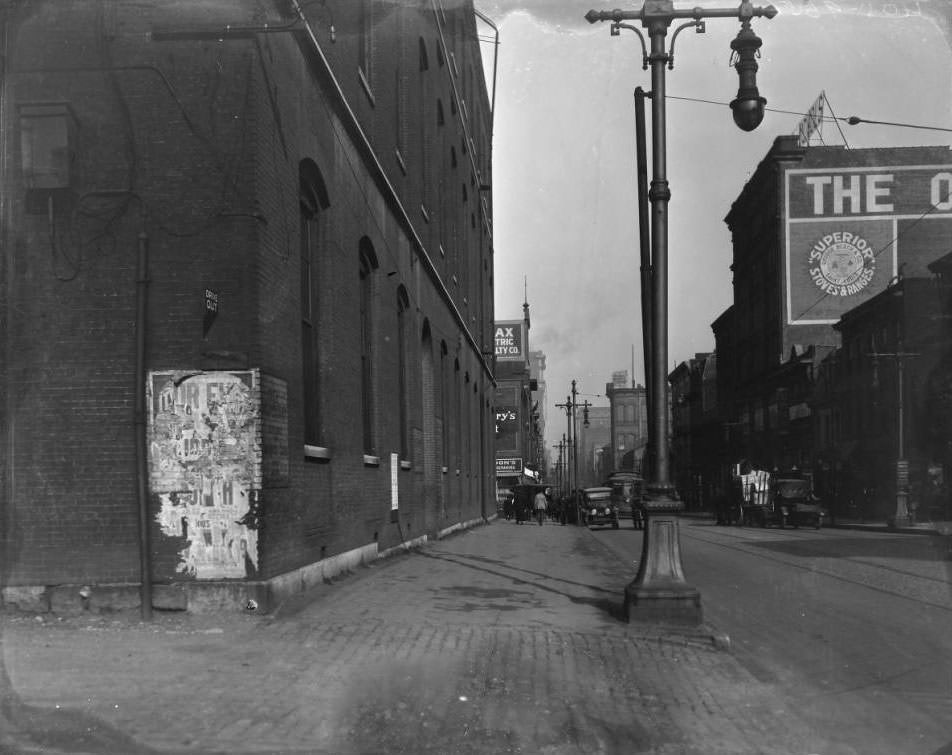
(503, 639)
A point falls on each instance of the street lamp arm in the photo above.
(644, 49)
(700, 30)
(744, 12)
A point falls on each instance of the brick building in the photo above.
(857, 401)
(274, 219)
(516, 436)
(594, 446)
(818, 232)
(629, 423)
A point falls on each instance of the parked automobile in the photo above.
(787, 499)
(597, 509)
(793, 493)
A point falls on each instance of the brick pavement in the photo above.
(503, 639)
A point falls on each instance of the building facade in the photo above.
(694, 430)
(594, 446)
(629, 423)
(817, 232)
(247, 290)
(517, 441)
(540, 456)
(879, 379)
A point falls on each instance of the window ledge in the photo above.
(371, 461)
(317, 452)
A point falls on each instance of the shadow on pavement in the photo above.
(610, 606)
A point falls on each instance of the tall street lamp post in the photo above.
(659, 592)
(569, 407)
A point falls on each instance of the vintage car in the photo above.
(792, 494)
(786, 500)
(597, 509)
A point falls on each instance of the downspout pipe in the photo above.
(142, 467)
(645, 244)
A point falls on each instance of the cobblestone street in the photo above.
(505, 638)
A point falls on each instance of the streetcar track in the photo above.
(815, 569)
(843, 557)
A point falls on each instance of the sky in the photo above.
(564, 195)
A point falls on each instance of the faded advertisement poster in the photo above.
(205, 467)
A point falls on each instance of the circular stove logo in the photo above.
(842, 263)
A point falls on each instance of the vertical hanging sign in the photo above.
(394, 486)
(211, 311)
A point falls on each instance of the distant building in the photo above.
(539, 404)
(516, 440)
(629, 423)
(594, 462)
(690, 431)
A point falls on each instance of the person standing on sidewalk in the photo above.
(541, 503)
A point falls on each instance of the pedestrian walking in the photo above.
(541, 504)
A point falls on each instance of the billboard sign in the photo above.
(510, 338)
(848, 229)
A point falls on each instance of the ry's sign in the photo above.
(848, 229)
(510, 338)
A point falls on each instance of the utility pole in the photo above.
(901, 516)
(569, 407)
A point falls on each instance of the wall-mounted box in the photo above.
(47, 152)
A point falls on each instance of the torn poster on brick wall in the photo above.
(205, 467)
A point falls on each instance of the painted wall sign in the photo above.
(847, 230)
(509, 465)
(507, 427)
(510, 340)
(205, 467)
(394, 481)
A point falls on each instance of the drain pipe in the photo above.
(142, 469)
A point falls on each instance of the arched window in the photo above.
(424, 57)
(444, 404)
(368, 266)
(428, 405)
(312, 201)
(403, 391)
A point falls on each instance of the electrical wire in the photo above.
(852, 120)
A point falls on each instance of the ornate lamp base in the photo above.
(660, 594)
